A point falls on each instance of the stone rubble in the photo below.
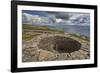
(32, 53)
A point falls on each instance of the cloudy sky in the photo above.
(64, 16)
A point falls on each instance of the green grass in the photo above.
(26, 37)
(42, 28)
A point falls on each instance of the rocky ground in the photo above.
(54, 46)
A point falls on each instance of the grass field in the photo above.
(42, 28)
(26, 36)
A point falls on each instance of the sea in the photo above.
(79, 29)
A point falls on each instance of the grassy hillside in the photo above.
(26, 36)
(42, 28)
